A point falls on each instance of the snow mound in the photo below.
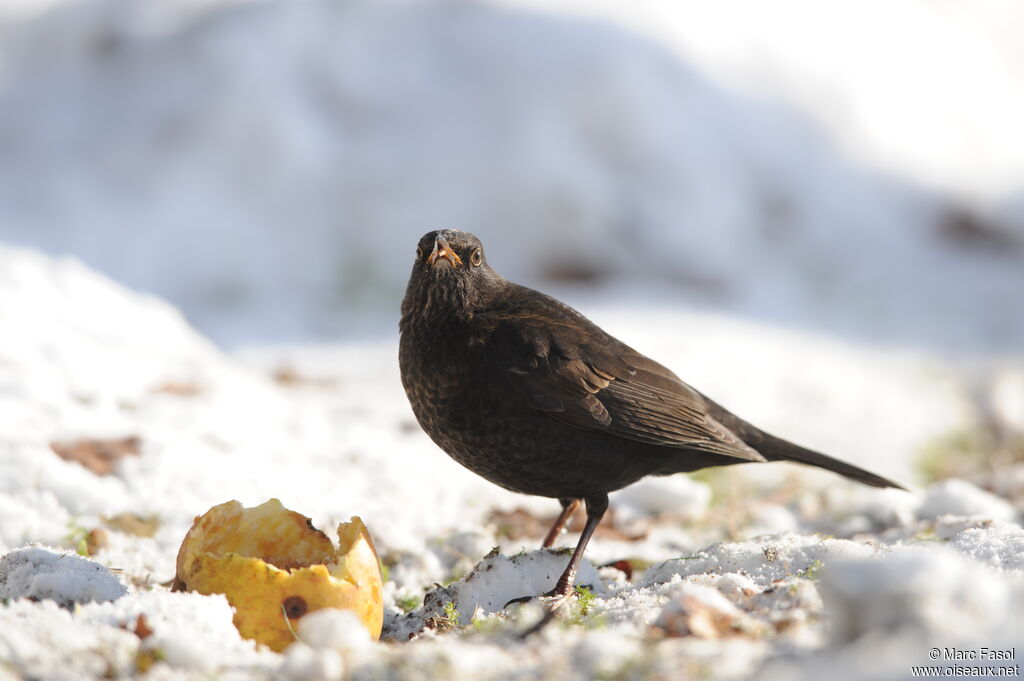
(498, 579)
(330, 629)
(698, 609)
(305, 663)
(180, 635)
(191, 631)
(960, 498)
(45, 641)
(45, 303)
(932, 590)
(764, 560)
(997, 545)
(64, 578)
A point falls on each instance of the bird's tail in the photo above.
(776, 449)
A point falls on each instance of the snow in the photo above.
(678, 494)
(338, 630)
(192, 634)
(730, 571)
(749, 195)
(303, 663)
(61, 577)
(44, 640)
(499, 579)
(999, 545)
(919, 588)
(941, 112)
(776, 557)
(959, 497)
(273, 177)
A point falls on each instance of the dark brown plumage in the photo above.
(530, 394)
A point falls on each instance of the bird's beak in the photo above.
(443, 250)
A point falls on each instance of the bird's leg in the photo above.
(596, 506)
(569, 507)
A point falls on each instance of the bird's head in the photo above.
(450, 276)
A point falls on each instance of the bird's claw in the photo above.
(520, 600)
(552, 601)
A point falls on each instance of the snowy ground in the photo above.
(760, 571)
(810, 211)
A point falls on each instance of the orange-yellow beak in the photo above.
(443, 250)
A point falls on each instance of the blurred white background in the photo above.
(853, 168)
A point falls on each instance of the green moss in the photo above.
(487, 625)
(813, 570)
(584, 600)
(451, 615)
(447, 621)
(77, 538)
(927, 535)
(580, 614)
(408, 603)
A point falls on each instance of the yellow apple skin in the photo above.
(274, 567)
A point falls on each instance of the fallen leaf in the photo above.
(140, 627)
(690, 615)
(98, 455)
(96, 539)
(178, 389)
(133, 524)
(628, 565)
(290, 377)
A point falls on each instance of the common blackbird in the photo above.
(530, 394)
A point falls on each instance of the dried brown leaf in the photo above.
(133, 524)
(290, 377)
(95, 540)
(691, 616)
(179, 389)
(98, 455)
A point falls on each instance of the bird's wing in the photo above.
(581, 376)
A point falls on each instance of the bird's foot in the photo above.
(552, 601)
(520, 601)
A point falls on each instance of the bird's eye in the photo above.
(419, 254)
(477, 258)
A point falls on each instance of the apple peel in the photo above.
(274, 567)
